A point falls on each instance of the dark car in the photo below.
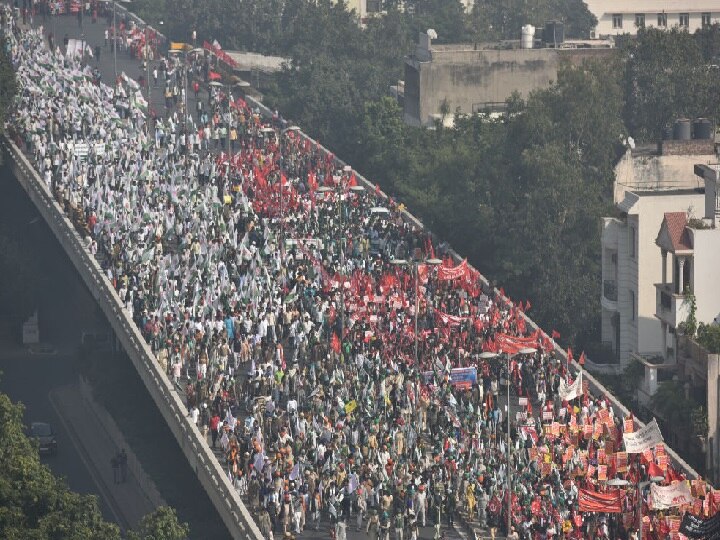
(46, 437)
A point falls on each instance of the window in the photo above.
(662, 20)
(706, 19)
(632, 305)
(633, 234)
(684, 20)
(640, 20)
(617, 20)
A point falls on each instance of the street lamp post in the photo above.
(114, 40)
(282, 170)
(416, 267)
(338, 190)
(639, 488)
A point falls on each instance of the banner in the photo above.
(450, 320)
(592, 501)
(445, 273)
(463, 377)
(664, 497)
(697, 527)
(643, 439)
(570, 392)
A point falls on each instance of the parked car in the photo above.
(46, 437)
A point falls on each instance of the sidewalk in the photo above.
(128, 501)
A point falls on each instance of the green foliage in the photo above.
(493, 20)
(670, 403)
(708, 335)
(668, 75)
(691, 321)
(162, 524)
(33, 503)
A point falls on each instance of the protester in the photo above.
(341, 372)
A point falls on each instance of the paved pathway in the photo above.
(128, 500)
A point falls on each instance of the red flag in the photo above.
(592, 501)
(581, 360)
(214, 76)
(555, 334)
(654, 470)
(527, 306)
(353, 180)
(569, 355)
(335, 344)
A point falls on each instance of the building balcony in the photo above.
(610, 231)
(609, 295)
(670, 308)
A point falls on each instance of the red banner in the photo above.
(445, 273)
(592, 501)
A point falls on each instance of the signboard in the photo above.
(463, 377)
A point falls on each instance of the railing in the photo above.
(610, 290)
(211, 475)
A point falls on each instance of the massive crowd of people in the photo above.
(342, 364)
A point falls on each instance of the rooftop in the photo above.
(674, 229)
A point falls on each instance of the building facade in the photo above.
(471, 78)
(620, 17)
(647, 186)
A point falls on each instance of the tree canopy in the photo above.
(36, 505)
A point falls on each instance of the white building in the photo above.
(623, 17)
(647, 185)
(690, 261)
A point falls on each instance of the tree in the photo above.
(493, 20)
(666, 76)
(162, 524)
(34, 504)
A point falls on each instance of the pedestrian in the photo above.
(115, 462)
(107, 37)
(97, 53)
(123, 461)
(155, 76)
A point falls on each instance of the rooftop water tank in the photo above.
(554, 33)
(702, 129)
(682, 129)
(528, 37)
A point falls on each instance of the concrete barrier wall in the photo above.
(211, 475)
(595, 387)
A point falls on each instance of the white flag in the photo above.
(569, 392)
(295, 473)
(643, 439)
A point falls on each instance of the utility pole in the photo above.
(114, 41)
